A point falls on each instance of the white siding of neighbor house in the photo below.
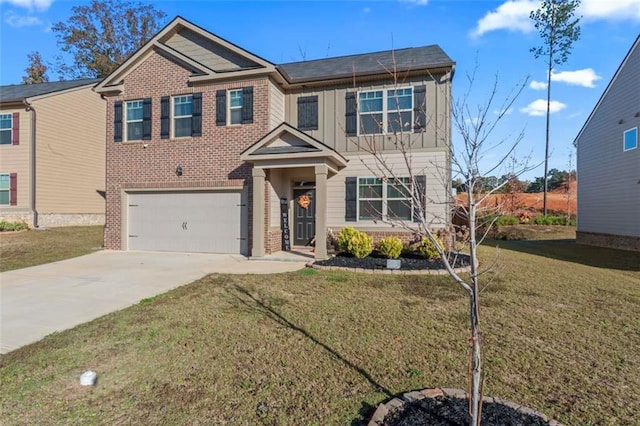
(276, 105)
(608, 177)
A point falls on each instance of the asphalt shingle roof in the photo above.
(19, 92)
(368, 63)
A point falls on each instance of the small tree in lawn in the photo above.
(558, 30)
(476, 127)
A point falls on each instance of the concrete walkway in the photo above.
(40, 300)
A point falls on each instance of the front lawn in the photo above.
(35, 247)
(323, 348)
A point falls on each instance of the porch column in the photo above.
(321, 211)
(258, 212)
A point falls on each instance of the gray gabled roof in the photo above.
(19, 92)
(413, 58)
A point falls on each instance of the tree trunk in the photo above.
(475, 397)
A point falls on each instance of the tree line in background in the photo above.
(556, 179)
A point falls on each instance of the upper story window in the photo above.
(134, 116)
(6, 125)
(235, 106)
(630, 139)
(385, 111)
(4, 189)
(182, 113)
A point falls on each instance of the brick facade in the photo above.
(209, 161)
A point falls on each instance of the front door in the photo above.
(304, 216)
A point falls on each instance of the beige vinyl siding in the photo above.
(608, 177)
(70, 152)
(276, 105)
(331, 114)
(432, 164)
(208, 53)
(16, 159)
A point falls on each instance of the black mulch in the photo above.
(409, 261)
(448, 411)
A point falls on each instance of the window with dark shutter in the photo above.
(146, 119)
(165, 117)
(308, 113)
(419, 108)
(13, 189)
(221, 108)
(196, 117)
(420, 184)
(247, 105)
(351, 199)
(117, 121)
(351, 114)
(15, 129)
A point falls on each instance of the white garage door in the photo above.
(205, 222)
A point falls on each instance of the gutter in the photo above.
(34, 212)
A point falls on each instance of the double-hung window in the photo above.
(133, 118)
(235, 106)
(384, 198)
(630, 140)
(6, 124)
(182, 113)
(385, 111)
(4, 189)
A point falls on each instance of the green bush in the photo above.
(428, 250)
(13, 226)
(507, 220)
(390, 247)
(360, 245)
(553, 220)
(345, 236)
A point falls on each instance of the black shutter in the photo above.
(247, 105)
(308, 113)
(165, 117)
(117, 121)
(146, 119)
(351, 114)
(351, 199)
(420, 198)
(196, 115)
(419, 108)
(221, 108)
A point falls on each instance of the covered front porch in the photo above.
(290, 173)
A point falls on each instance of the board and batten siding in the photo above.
(276, 105)
(332, 108)
(608, 177)
(17, 159)
(70, 152)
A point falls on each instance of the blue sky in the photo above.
(495, 34)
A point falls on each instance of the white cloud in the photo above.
(538, 108)
(513, 15)
(366, 10)
(418, 2)
(18, 21)
(503, 112)
(30, 4)
(585, 77)
(537, 85)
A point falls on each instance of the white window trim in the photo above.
(127, 121)
(174, 117)
(384, 199)
(9, 129)
(8, 190)
(624, 139)
(229, 107)
(385, 110)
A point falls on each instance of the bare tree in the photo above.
(36, 72)
(559, 30)
(470, 162)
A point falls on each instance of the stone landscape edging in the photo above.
(383, 409)
(388, 271)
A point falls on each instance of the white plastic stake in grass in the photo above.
(88, 378)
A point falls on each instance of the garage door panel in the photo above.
(186, 221)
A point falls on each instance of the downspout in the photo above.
(34, 212)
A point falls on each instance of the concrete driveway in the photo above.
(40, 300)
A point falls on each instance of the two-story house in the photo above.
(609, 162)
(209, 146)
(52, 153)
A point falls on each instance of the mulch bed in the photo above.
(409, 261)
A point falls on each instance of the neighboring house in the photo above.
(52, 153)
(609, 163)
(209, 146)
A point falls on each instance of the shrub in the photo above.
(390, 247)
(345, 236)
(553, 220)
(13, 226)
(360, 245)
(507, 220)
(428, 250)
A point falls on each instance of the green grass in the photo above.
(30, 248)
(302, 348)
